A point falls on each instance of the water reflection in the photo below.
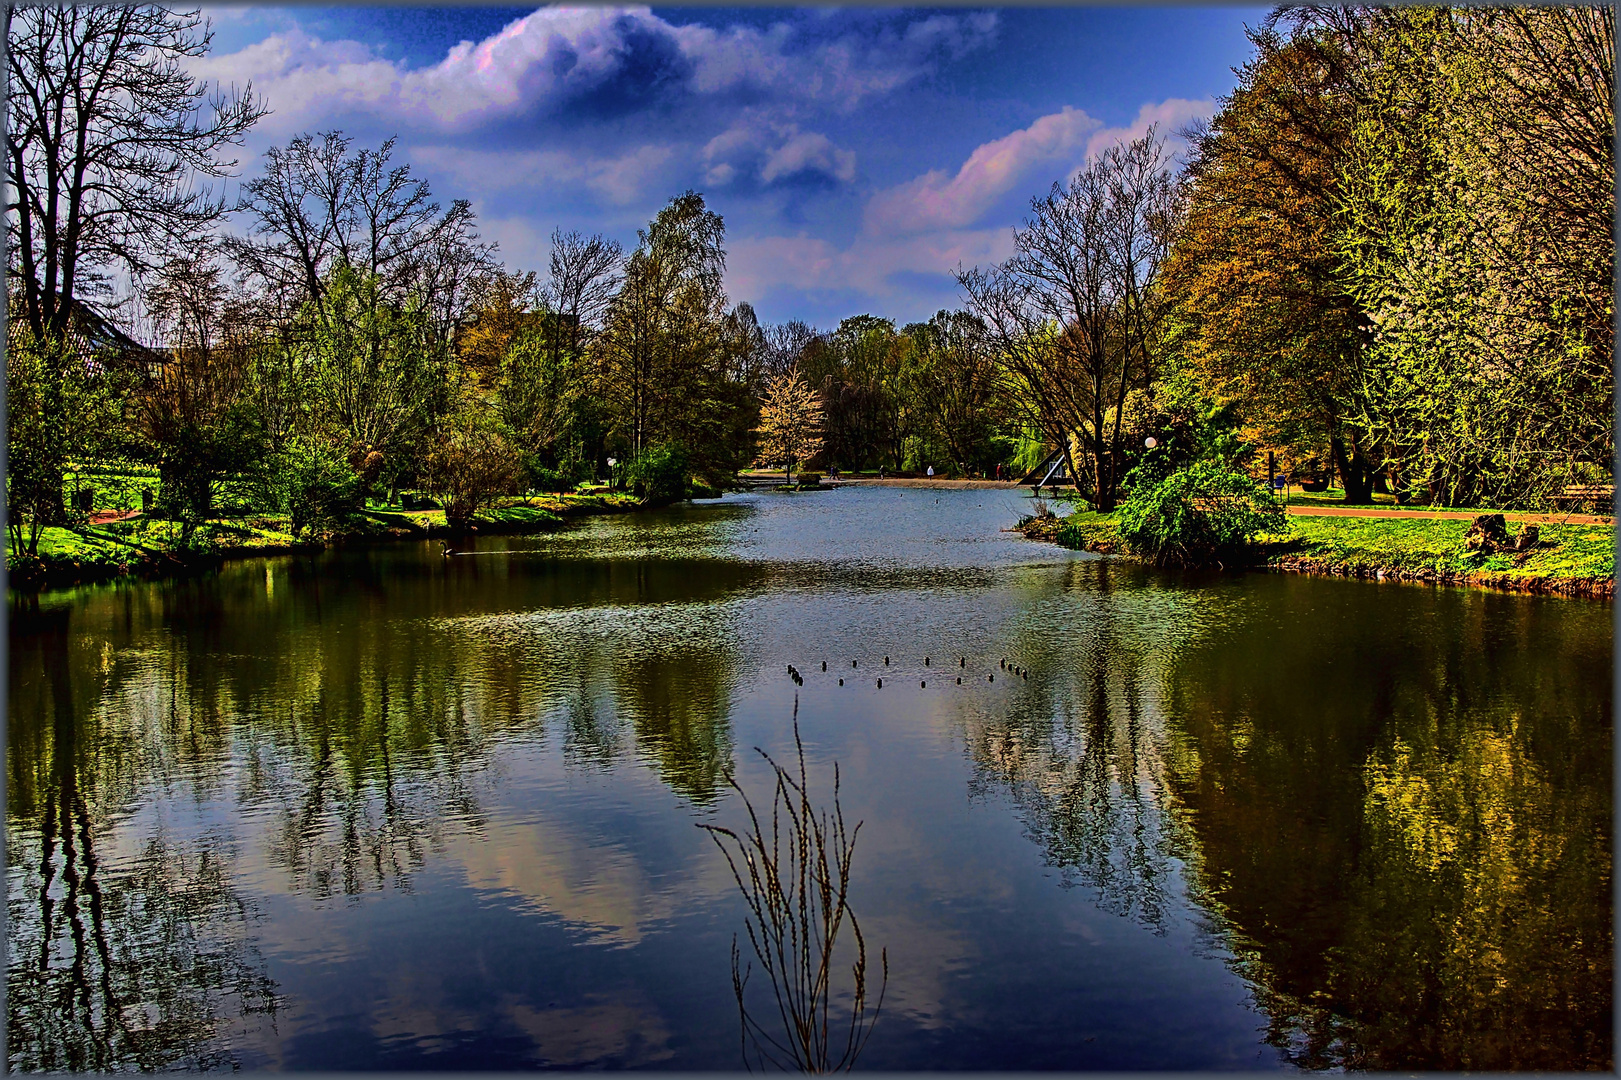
(137, 967)
(232, 799)
(1407, 830)
(1080, 752)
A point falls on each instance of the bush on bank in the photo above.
(1204, 513)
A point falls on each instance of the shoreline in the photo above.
(924, 482)
(48, 573)
(1338, 556)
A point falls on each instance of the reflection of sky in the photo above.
(857, 155)
(505, 899)
(513, 876)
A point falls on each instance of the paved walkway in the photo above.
(102, 517)
(1465, 515)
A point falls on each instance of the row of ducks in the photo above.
(962, 662)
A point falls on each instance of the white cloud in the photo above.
(771, 151)
(1171, 115)
(1032, 158)
(756, 265)
(934, 201)
(560, 56)
(619, 180)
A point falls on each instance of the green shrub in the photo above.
(660, 474)
(1205, 513)
(810, 479)
(312, 484)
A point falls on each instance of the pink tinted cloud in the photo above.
(1033, 157)
(756, 265)
(1169, 117)
(935, 201)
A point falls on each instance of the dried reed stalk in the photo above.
(796, 881)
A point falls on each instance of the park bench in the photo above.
(1601, 496)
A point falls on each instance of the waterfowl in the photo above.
(824, 665)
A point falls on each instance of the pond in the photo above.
(384, 809)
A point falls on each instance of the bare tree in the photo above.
(318, 205)
(785, 344)
(1074, 312)
(585, 274)
(297, 210)
(108, 137)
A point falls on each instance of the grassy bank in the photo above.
(146, 547)
(1577, 560)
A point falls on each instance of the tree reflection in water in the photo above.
(1079, 747)
(347, 729)
(135, 968)
(1394, 803)
(1407, 829)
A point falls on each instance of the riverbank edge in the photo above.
(46, 573)
(1283, 556)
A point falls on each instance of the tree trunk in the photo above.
(1356, 472)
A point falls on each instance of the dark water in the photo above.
(381, 809)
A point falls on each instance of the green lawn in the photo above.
(1435, 546)
(1431, 548)
(146, 544)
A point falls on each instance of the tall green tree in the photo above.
(378, 372)
(1256, 275)
(960, 387)
(661, 363)
(191, 409)
(1476, 230)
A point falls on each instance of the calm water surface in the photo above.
(383, 809)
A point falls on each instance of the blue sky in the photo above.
(858, 155)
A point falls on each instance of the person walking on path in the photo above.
(931, 472)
